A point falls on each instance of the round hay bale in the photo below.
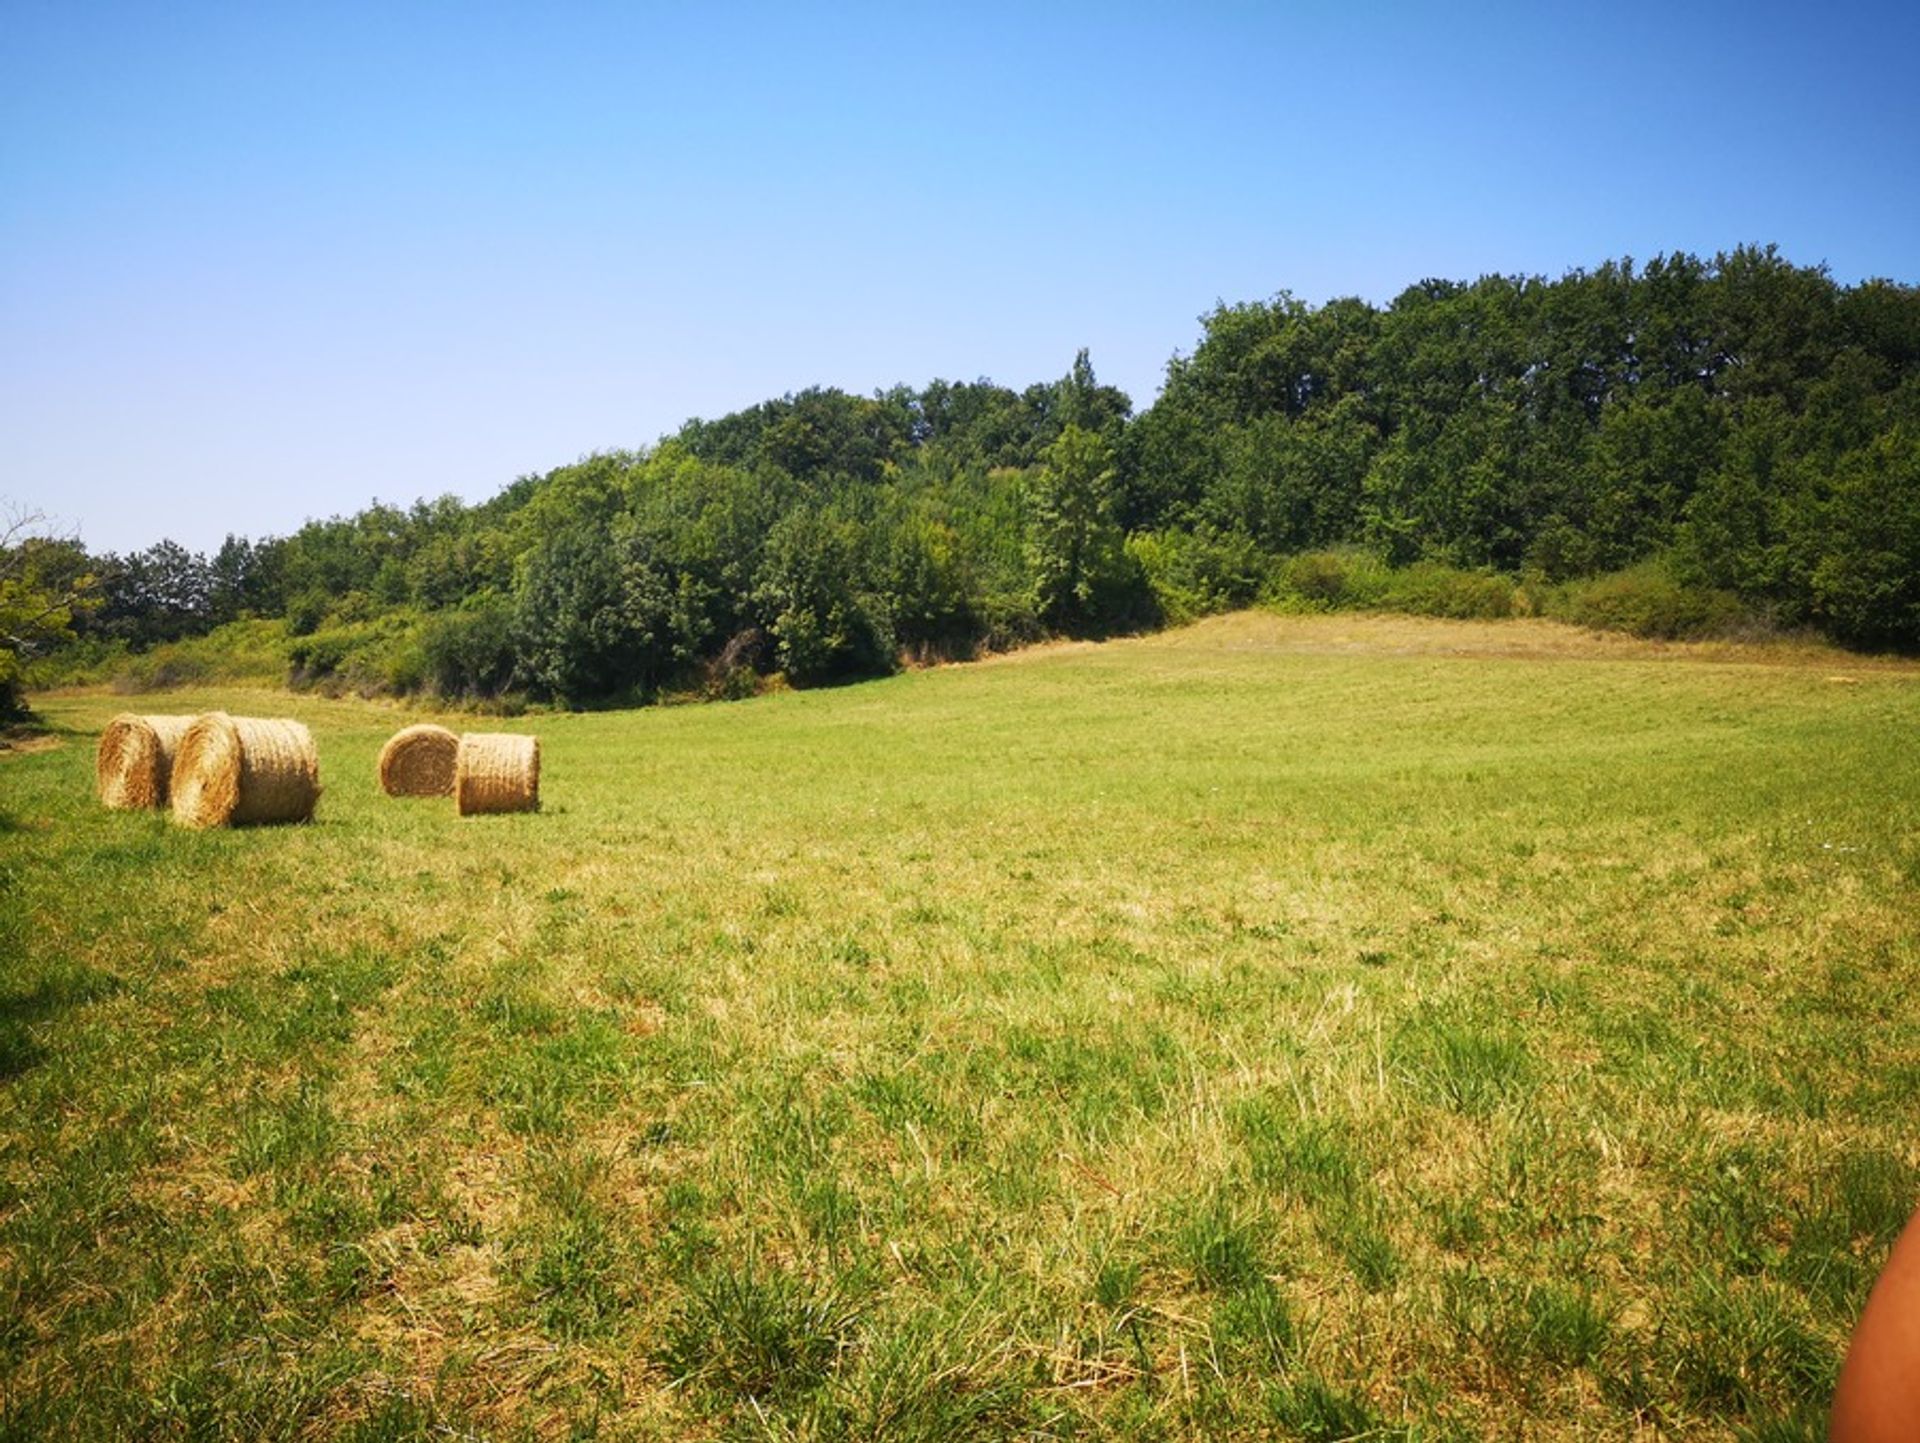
(417, 761)
(230, 771)
(136, 759)
(496, 772)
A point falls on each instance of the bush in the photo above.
(737, 672)
(1429, 589)
(1362, 581)
(467, 651)
(1198, 573)
(1008, 619)
(1085, 582)
(306, 611)
(925, 586)
(1645, 600)
(369, 658)
(1331, 580)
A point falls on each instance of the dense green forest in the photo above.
(1676, 447)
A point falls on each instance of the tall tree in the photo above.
(1077, 548)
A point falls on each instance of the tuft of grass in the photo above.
(283, 1136)
(1370, 1253)
(757, 1333)
(1218, 1244)
(1255, 1327)
(1315, 1411)
(1520, 1324)
(575, 1260)
(1747, 1350)
(1470, 1068)
(917, 1382)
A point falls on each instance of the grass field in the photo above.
(1320, 1027)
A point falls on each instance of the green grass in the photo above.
(1323, 1028)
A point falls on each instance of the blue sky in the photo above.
(262, 263)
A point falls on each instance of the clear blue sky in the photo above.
(265, 262)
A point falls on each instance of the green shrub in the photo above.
(1198, 573)
(1084, 581)
(594, 614)
(1008, 619)
(306, 611)
(164, 671)
(468, 651)
(1646, 601)
(369, 658)
(1429, 589)
(1352, 580)
(1331, 580)
(1866, 585)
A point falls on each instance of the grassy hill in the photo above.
(1324, 1027)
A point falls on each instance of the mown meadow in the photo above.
(1318, 1027)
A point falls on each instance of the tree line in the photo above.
(1742, 432)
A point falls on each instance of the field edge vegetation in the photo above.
(1683, 446)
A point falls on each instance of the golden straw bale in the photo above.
(136, 759)
(417, 761)
(496, 772)
(234, 770)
